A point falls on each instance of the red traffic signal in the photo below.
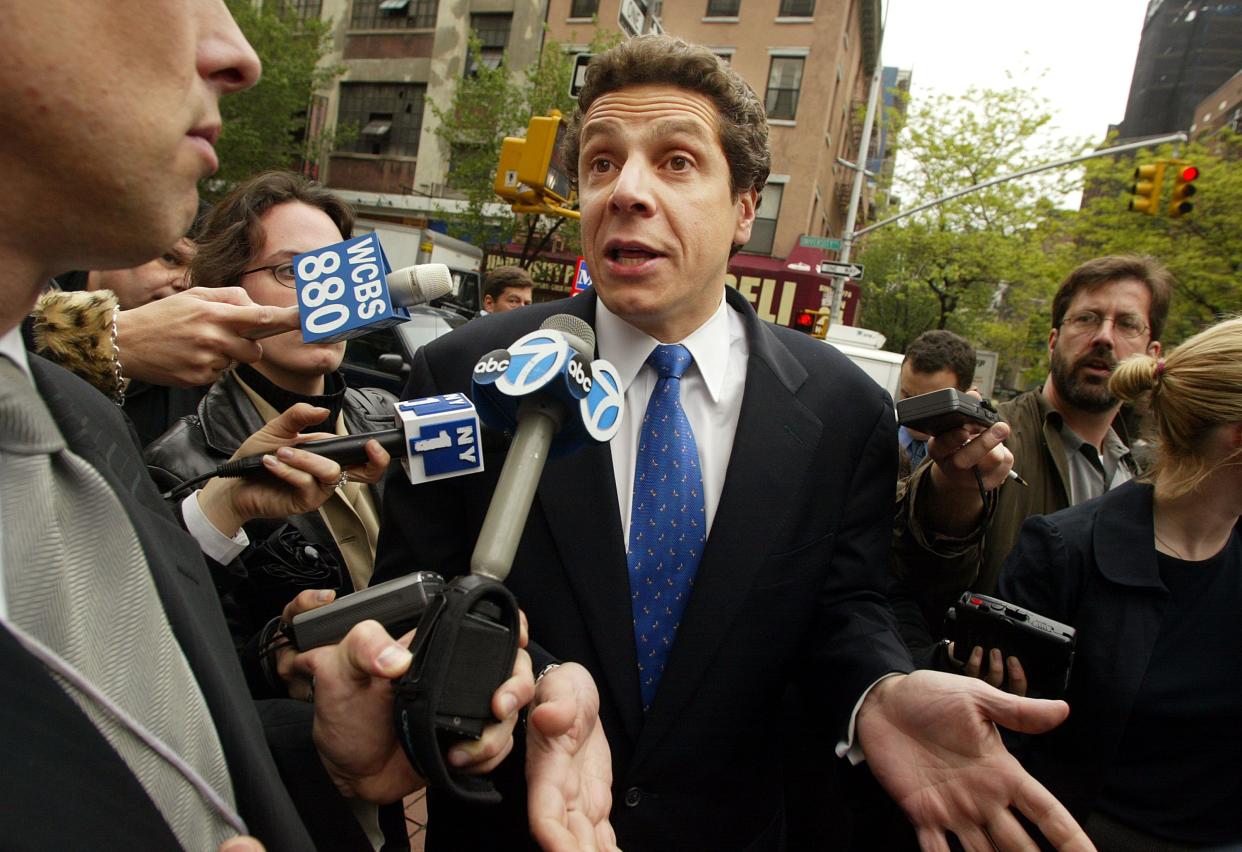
(805, 321)
(1183, 188)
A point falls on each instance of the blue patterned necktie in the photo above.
(668, 523)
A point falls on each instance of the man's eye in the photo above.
(679, 164)
(600, 166)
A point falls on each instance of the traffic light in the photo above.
(812, 321)
(1148, 181)
(805, 321)
(541, 167)
(1183, 188)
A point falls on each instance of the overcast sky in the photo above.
(1086, 46)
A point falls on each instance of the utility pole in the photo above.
(860, 171)
(864, 144)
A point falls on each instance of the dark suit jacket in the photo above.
(64, 787)
(790, 587)
(1093, 567)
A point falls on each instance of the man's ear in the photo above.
(746, 203)
(1153, 349)
(1052, 340)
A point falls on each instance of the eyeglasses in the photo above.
(1128, 326)
(282, 272)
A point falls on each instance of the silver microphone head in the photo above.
(577, 331)
(419, 284)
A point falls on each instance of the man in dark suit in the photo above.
(781, 464)
(125, 722)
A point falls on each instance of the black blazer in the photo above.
(63, 786)
(1093, 567)
(790, 587)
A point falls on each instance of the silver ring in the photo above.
(340, 483)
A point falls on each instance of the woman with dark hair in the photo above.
(249, 240)
(1150, 575)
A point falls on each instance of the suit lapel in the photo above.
(774, 431)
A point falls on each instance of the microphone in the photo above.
(419, 284)
(348, 289)
(407, 287)
(544, 388)
(439, 437)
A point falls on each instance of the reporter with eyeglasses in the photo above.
(1066, 439)
(248, 240)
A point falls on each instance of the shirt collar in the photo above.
(13, 347)
(627, 348)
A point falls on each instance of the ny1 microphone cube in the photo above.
(343, 291)
(442, 437)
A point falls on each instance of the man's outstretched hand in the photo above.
(568, 765)
(930, 741)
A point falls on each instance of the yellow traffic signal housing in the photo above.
(1148, 181)
(507, 185)
(541, 166)
(1183, 188)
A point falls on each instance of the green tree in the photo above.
(1203, 249)
(488, 106)
(977, 265)
(265, 127)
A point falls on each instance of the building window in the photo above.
(389, 117)
(784, 82)
(797, 8)
(393, 14)
(763, 231)
(583, 8)
(723, 8)
(493, 33)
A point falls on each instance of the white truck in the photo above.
(406, 246)
(862, 346)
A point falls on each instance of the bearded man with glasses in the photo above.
(1066, 439)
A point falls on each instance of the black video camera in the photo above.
(941, 411)
(1044, 647)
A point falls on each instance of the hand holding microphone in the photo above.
(546, 390)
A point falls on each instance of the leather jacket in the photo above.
(285, 555)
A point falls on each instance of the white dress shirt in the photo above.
(711, 395)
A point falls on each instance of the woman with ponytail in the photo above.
(1150, 575)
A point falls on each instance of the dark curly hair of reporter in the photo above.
(229, 233)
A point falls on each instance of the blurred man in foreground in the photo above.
(132, 716)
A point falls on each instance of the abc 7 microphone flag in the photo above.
(544, 362)
(343, 290)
